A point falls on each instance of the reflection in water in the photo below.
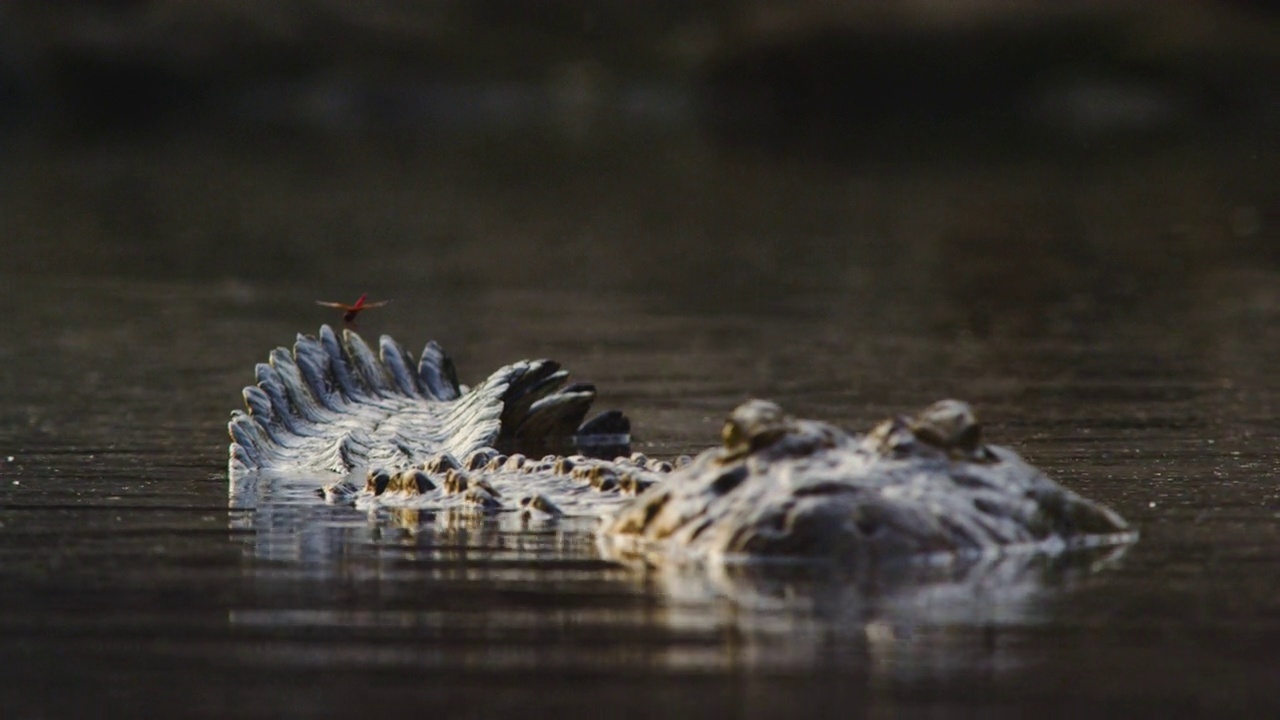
(290, 524)
(940, 617)
(994, 587)
(943, 616)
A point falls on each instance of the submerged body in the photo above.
(377, 431)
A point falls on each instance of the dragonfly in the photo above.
(351, 311)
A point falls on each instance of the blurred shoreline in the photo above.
(767, 75)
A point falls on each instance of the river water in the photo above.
(1115, 317)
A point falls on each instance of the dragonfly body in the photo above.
(350, 312)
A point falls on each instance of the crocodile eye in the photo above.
(949, 424)
(753, 425)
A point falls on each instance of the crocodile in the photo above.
(377, 430)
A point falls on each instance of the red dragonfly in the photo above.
(351, 311)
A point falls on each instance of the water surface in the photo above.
(1115, 319)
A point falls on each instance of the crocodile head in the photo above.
(779, 487)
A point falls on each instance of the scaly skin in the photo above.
(781, 488)
(777, 487)
(332, 405)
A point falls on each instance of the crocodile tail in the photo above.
(332, 403)
(436, 375)
(323, 406)
(541, 415)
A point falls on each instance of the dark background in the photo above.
(152, 137)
